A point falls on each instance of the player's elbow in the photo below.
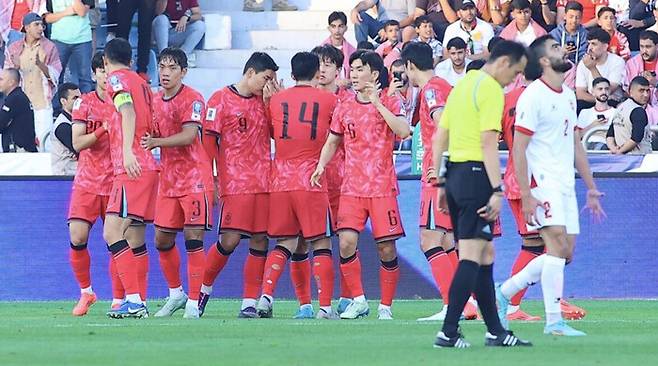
(403, 132)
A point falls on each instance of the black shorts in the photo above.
(467, 190)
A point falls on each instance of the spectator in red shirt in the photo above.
(178, 23)
(607, 20)
(590, 10)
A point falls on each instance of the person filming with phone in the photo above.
(598, 116)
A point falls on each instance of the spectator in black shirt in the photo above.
(629, 132)
(16, 115)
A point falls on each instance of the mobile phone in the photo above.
(571, 44)
(653, 73)
(600, 116)
(397, 75)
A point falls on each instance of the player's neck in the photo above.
(100, 92)
(304, 83)
(362, 97)
(112, 67)
(242, 88)
(552, 78)
(171, 92)
(424, 77)
(332, 87)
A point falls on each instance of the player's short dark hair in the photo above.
(305, 65)
(475, 65)
(520, 4)
(97, 62)
(391, 23)
(422, 20)
(639, 80)
(14, 74)
(457, 43)
(493, 42)
(259, 62)
(650, 35)
(600, 80)
(329, 53)
(337, 15)
(365, 45)
(375, 62)
(419, 54)
(65, 89)
(573, 5)
(513, 50)
(598, 34)
(536, 51)
(174, 54)
(605, 9)
(118, 51)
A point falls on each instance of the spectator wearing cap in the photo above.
(571, 34)
(629, 132)
(71, 32)
(337, 28)
(63, 156)
(178, 23)
(16, 117)
(640, 17)
(11, 18)
(644, 64)
(607, 20)
(522, 28)
(425, 33)
(453, 68)
(38, 61)
(366, 26)
(474, 31)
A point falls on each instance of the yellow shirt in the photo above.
(475, 105)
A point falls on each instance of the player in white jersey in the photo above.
(546, 149)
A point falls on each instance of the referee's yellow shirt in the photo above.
(475, 105)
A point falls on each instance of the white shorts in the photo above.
(558, 209)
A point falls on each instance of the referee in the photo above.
(469, 129)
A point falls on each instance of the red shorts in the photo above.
(334, 203)
(134, 198)
(192, 211)
(517, 212)
(384, 214)
(292, 213)
(246, 214)
(430, 216)
(86, 206)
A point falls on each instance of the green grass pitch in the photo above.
(621, 333)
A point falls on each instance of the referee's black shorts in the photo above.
(467, 190)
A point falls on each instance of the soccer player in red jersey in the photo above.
(367, 124)
(236, 120)
(135, 182)
(436, 240)
(301, 116)
(92, 183)
(185, 189)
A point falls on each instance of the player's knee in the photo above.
(387, 251)
(79, 237)
(258, 242)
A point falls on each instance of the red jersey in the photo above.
(94, 172)
(432, 97)
(336, 167)
(126, 81)
(301, 117)
(512, 190)
(369, 170)
(244, 150)
(185, 169)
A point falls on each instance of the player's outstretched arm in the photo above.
(328, 151)
(184, 138)
(82, 140)
(593, 194)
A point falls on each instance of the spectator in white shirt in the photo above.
(425, 33)
(454, 68)
(598, 62)
(598, 116)
(474, 31)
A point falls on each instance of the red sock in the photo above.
(80, 263)
(389, 276)
(117, 287)
(196, 260)
(351, 269)
(344, 288)
(454, 258)
(323, 271)
(300, 276)
(525, 256)
(142, 260)
(126, 266)
(215, 262)
(442, 270)
(170, 264)
(274, 266)
(252, 275)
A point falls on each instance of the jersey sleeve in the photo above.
(116, 87)
(337, 121)
(193, 112)
(526, 115)
(490, 103)
(213, 116)
(80, 111)
(394, 104)
(435, 98)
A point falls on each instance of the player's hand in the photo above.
(529, 206)
(594, 205)
(343, 83)
(491, 211)
(316, 176)
(355, 16)
(182, 24)
(430, 175)
(148, 142)
(131, 165)
(441, 199)
(372, 93)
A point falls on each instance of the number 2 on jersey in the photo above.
(302, 119)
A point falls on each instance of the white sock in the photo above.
(175, 293)
(134, 298)
(344, 298)
(206, 289)
(552, 283)
(326, 309)
(472, 300)
(382, 306)
(512, 309)
(192, 303)
(361, 298)
(86, 290)
(529, 275)
(248, 303)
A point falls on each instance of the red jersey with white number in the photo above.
(94, 172)
(512, 190)
(301, 117)
(369, 170)
(336, 167)
(126, 81)
(433, 96)
(185, 169)
(244, 148)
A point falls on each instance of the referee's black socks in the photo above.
(460, 290)
(485, 294)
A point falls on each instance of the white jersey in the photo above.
(549, 116)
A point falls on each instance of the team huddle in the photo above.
(331, 170)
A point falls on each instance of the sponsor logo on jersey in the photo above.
(430, 98)
(116, 84)
(196, 111)
(210, 114)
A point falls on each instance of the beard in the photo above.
(648, 57)
(560, 65)
(602, 98)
